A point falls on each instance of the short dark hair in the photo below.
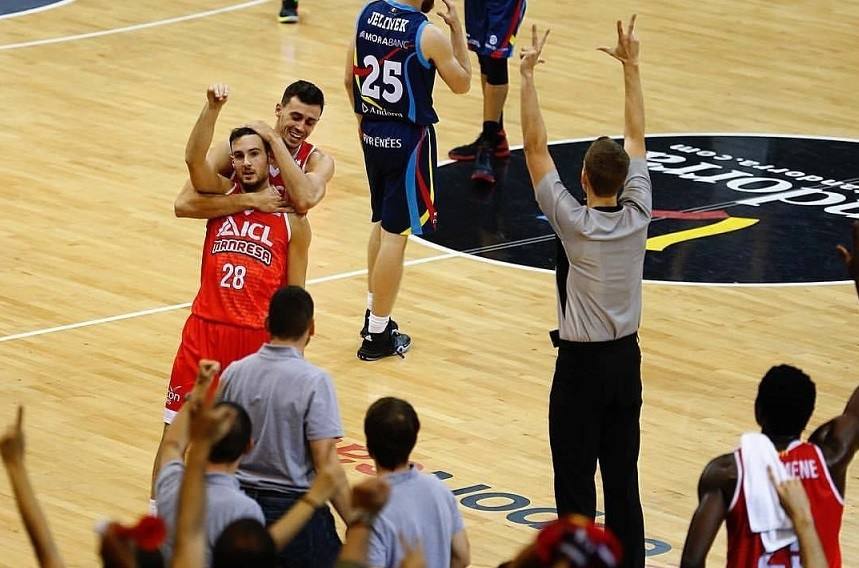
(290, 313)
(307, 92)
(235, 442)
(785, 401)
(606, 166)
(244, 544)
(241, 131)
(391, 427)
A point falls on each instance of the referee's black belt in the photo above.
(555, 336)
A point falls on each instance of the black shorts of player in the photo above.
(400, 158)
(491, 26)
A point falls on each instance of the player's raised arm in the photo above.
(534, 136)
(450, 56)
(626, 51)
(204, 176)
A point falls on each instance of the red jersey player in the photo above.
(253, 246)
(784, 404)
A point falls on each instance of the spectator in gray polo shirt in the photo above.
(225, 502)
(296, 425)
(595, 403)
(421, 510)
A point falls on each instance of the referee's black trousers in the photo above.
(594, 412)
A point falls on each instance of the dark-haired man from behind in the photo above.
(421, 510)
(296, 425)
(595, 402)
(225, 502)
(783, 406)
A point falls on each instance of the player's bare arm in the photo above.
(305, 188)
(717, 481)
(839, 441)
(626, 51)
(204, 177)
(299, 247)
(348, 75)
(534, 136)
(450, 56)
(195, 205)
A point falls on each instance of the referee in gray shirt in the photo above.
(595, 403)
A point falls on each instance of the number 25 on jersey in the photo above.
(390, 72)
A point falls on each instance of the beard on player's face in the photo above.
(253, 187)
(427, 5)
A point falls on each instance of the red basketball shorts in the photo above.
(204, 339)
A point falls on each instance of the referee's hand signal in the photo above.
(626, 50)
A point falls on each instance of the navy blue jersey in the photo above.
(392, 79)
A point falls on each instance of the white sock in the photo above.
(378, 324)
(153, 507)
(370, 301)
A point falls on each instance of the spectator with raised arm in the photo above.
(35, 522)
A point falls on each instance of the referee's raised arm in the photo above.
(533, 129)
(626, 51)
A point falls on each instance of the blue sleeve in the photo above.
(323, 415)
(379, 552)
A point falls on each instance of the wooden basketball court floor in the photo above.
(97, 98)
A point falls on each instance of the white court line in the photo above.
(133, 28)
(34, 10)
(162, 309)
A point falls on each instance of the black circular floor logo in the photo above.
(10, 8)
(747, 209)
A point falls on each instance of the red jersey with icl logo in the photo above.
(245, 259)
(805, 461)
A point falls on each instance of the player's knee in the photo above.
(495, 70)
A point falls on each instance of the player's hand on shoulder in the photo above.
(531, 55)
(217, 95)
(627, 48)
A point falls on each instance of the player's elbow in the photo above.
(461, 86)
(181, 208)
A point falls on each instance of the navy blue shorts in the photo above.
(491, 26)
(400, 158)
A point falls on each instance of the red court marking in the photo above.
(691, 215)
